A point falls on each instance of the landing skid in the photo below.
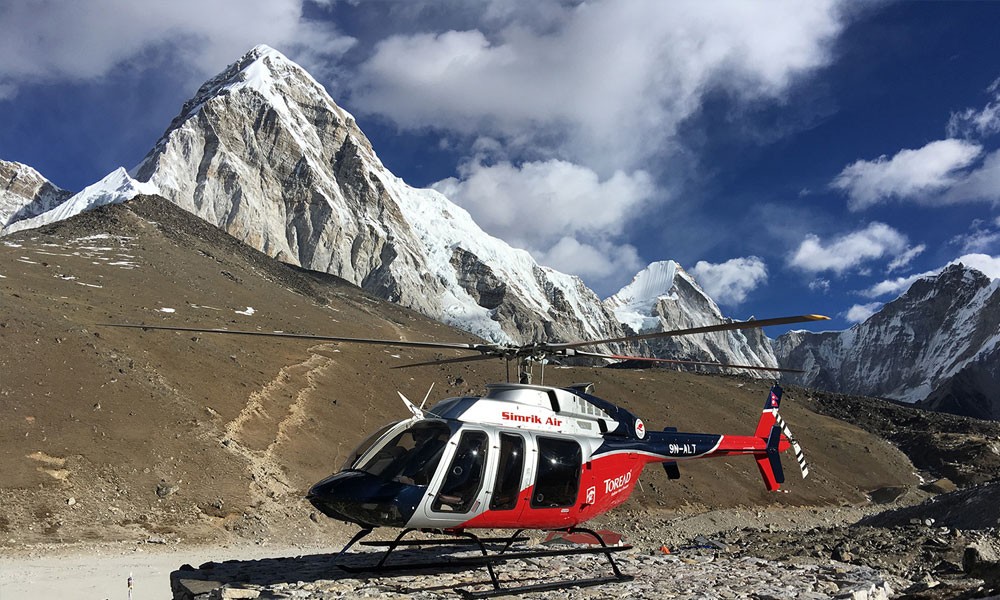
(490, 560)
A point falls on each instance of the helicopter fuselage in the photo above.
(522, 456)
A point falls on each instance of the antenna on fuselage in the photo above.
(426, 396)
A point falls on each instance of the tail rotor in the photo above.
(800, 457)
(773, 429)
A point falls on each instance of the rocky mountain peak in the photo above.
(264, 153)
(664, 296)
(25, 193)
(663, 281)
(943, 330)
(116, 187)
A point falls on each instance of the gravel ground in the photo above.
(731, 553)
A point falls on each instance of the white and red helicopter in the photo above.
(522, 456)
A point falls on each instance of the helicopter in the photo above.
(522, 456)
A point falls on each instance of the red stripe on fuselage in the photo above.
(613, 477)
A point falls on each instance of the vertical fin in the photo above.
(774, 455)
(769, 415)
(769, 461)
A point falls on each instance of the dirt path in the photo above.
(102, 572)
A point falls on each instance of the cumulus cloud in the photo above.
(895, 286)
(44, 41)
(903, 260)
(536, 203)
(907, 175)
(849, 251)
(563, 213)
(603, 264)
(981, 184)
(861, 312)
(605, 83)
(985, 263)
(988, 265)
(730, 282)
(978, 122)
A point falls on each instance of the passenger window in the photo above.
(557, 478)
(465, 474)
(508, 483)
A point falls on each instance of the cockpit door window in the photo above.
(464, 478)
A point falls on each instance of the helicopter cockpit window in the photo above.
(465, 474)
(367, 443)
(557, 479)
(410, 457)
(508, 483)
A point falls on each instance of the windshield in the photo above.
(366, 444)
(411, 456)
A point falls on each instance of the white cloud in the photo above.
(861, 312)
(45, 41)
(981, 238)
(894, 286)
(538, 203)
(903, 260)
(820, 285)
(909, 174)
(988, 265)
(563, 213)
(973, 122)
(604, 83)
(982, 184)
(846, 252)
(730, 282)
(604, 265)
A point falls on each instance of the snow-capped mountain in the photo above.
(116, 187)
(939, 341)
(24, 193)
(264, 153)
(664, 296)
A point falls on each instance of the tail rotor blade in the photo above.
(799, 455)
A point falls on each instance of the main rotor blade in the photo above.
(752, 324)
(316, 338)
(687, 362)
(445, 361)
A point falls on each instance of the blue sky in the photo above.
(794, 157)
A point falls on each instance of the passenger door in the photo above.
(457, 494)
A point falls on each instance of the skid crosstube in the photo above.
(490, 560)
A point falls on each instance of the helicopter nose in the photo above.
(365, 499)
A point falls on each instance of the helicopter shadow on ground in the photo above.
(313, 568)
